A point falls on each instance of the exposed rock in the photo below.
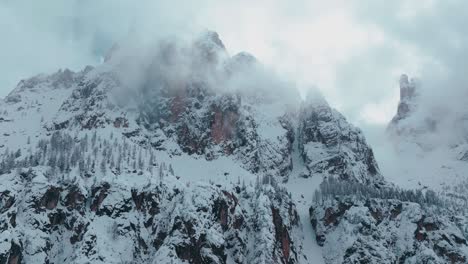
(386, 231)
(331, 146)
(51, 198)
(407, 104)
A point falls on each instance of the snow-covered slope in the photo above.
(82, 221)
(176, 152)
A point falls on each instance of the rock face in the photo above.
(402, 124)
(428, 122)
(331, 146)
(407, 98)
(353, 230)
(176, 153)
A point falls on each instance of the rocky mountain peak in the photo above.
(210, 40)
(210, 47)
(407, 88)
(425, 120)
(408, 94)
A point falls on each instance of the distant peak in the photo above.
(407, 88)
(210, 38)
(210, 42)
(244, 58)
(210, 47)
(408, 100)
(242, 61)
(404, 80)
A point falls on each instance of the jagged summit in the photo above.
(243, 61)
(424, 121)
(407, 88)
(429, 137)
(408, 94)
(209, 40)
(244, 57)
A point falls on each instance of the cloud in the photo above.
(304, 40)
(41, 37)
(436, 33)
(353, 51)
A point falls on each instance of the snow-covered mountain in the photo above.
(357, 223)
(177, 152)
(430, 138)
(421, 215)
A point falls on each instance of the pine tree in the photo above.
(112, 162)
(81, 166)
(152, 159)
(103, 167)
(52, 160)
(140, 161)
(93, 138)
(61, 163)
(119, 162)
(161, 174)
(171, 170)
(134, 152)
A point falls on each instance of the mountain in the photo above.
(420, 216)
(178, 152)
(173, 152)
(430, 137)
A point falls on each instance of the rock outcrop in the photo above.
(352, 230)
(330, 146)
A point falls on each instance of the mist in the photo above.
(168, 65)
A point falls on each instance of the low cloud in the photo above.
(353, 51)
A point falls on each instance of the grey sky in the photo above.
(353, 51)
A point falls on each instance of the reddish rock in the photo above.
(223, 126)
(177, 105)
(51, 198)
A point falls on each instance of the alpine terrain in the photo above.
(178, 152)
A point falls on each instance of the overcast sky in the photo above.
(352, 50)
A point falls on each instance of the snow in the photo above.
(437, 170)
(302, 190)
